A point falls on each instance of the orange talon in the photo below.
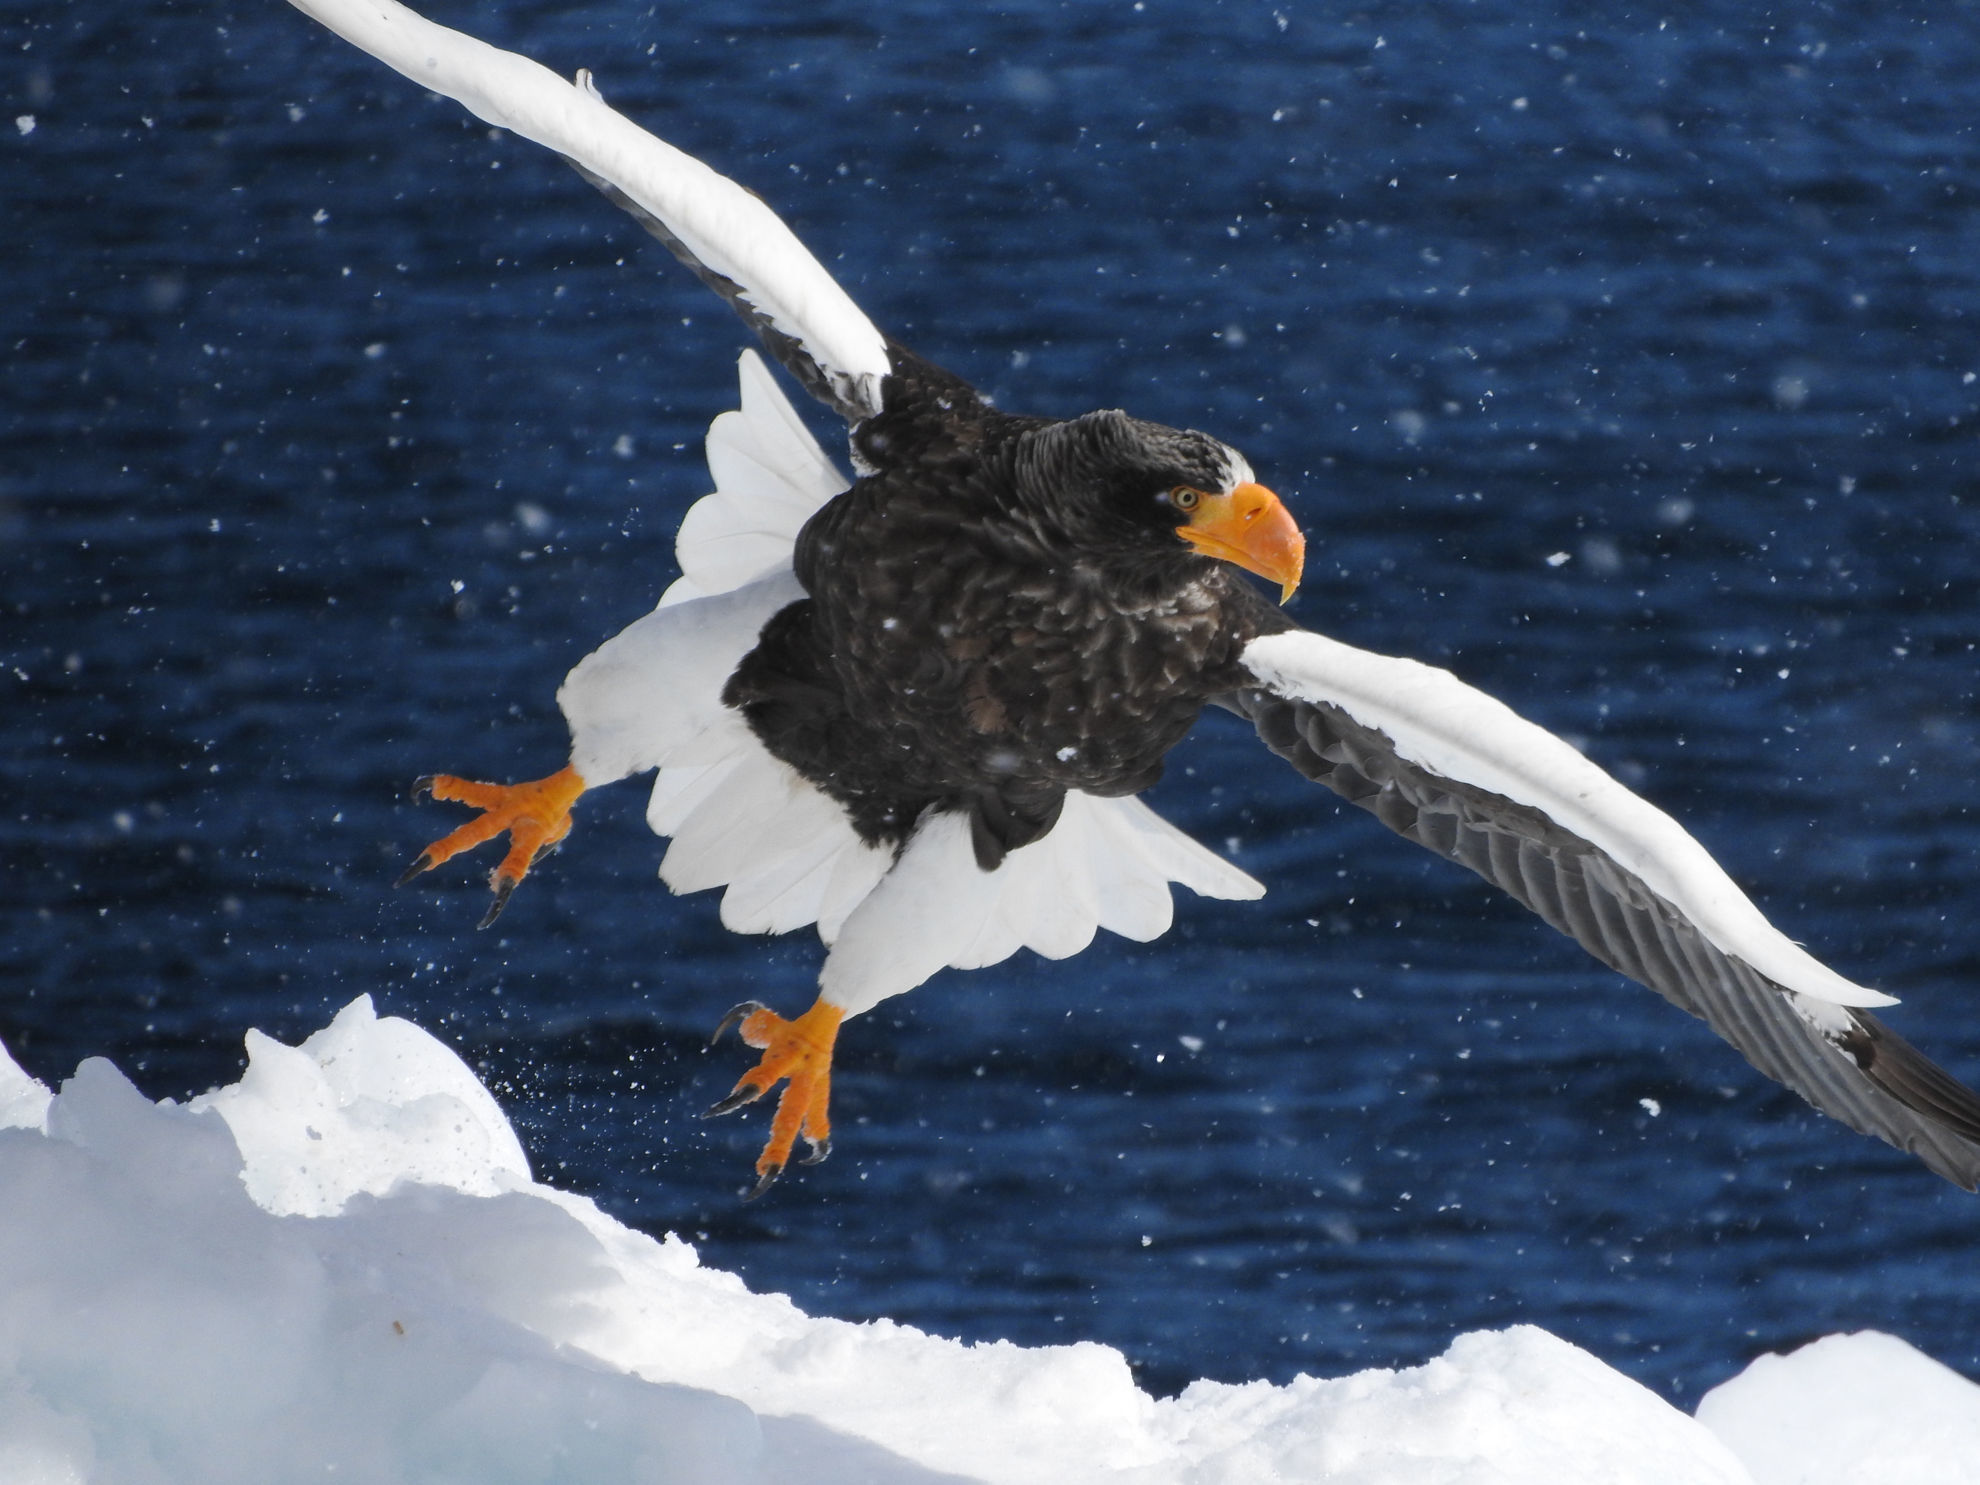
(800, 1050)
(536, 815)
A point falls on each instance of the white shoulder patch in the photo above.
(770, 477)
(1107, 864)
(657, 684)
(1437, 722)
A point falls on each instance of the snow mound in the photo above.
(1850, 1407)
(23, 1101)
(361, 1106)
(340, 1268)
(1505, 1406)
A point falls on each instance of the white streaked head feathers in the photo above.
(1237, 469)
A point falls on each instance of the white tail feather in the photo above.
(1176, 854)
(749, 822)
(1106, 864)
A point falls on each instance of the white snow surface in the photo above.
(340, 1268)
(1863, 1407)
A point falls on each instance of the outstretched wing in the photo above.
(735, 243)
(1454, 770)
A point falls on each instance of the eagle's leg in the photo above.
(537, 815)
(800, 1050)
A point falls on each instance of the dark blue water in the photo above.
(1626, 367)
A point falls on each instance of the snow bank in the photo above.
(340, 1268)
(1850, 1407)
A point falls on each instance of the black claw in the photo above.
(505, 888)
(820, 1149)
(736, 1013)
(422, 787)
(764, 1182)
(425, 861)
(742, 1095)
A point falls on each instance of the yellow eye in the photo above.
(1184, 498)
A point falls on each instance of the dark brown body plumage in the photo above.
(981, 633)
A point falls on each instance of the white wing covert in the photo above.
(651, 696)
(770, 477)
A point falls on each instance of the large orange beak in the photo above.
(1251, 527)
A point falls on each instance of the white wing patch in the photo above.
(1107, 864)
(644, 696)
(1436, 721)
(770, 477)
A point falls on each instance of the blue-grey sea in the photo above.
(1621, 358)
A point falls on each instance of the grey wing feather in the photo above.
(1868, 1077)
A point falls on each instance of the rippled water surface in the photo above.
(1626, 367)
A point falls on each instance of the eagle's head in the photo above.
(1119, 484)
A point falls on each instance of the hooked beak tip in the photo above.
(1251, 528)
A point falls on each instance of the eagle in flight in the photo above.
(915, 708)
